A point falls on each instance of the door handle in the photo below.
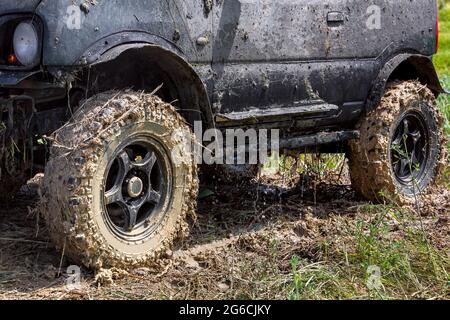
(335, 17)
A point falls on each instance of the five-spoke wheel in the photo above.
(400, 151)
(136, 185)
(409, 148)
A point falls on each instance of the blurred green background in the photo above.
(442, 59)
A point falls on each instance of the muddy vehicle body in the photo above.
(77, 81)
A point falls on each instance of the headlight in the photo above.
(26, 43)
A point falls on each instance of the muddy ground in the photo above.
(251, 241)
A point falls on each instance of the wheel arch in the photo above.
(404, 67)
(146, 65)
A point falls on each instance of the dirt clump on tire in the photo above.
(369, 156)
(71, 184)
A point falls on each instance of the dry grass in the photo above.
(308, 238)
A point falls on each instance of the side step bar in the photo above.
(274, 114)
(327, 142)
(318, 139)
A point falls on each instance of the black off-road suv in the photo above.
(78, 97)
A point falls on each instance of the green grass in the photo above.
(442, 63)
(442, 59)
(406, 267)
(444, 104)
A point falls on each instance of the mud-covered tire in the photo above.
(75, 180)
(371, 156)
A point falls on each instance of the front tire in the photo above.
(120, 183)
(401, 150)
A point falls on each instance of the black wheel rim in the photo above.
(136, 189)
(410, 148)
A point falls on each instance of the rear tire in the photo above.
(401, 150)
(118, 189)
